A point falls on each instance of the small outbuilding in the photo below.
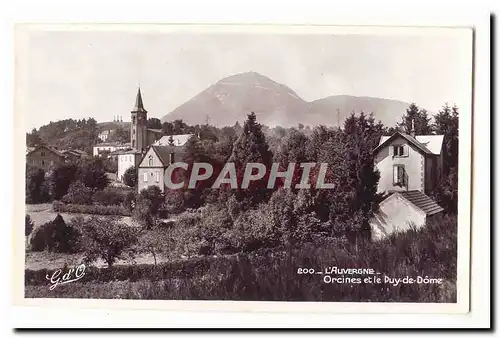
(402, 210)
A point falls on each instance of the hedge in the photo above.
(179, 269)
(117, 210)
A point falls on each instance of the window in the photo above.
(42, 153)
(172, 158)
(399, 175)
(150, 159)
(399, 150)
(43, 162)
(133, 143)
(145, 177)
(157, 177)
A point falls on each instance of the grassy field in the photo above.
(42, 213)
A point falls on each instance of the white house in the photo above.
(151, 169)
(409, 162)
(410, 167)
(125, 160)
(109, 147)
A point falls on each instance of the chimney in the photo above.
(412, 131)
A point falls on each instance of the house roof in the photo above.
(112, 144)
(179, 140)
(433, 142)
(55, 151)
(421, 201)
(164, 152)
(125, 152)
(76, 152)
(428, 144)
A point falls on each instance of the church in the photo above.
(142, 138)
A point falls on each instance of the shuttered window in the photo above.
(145, 177)
(398, 175)
(157, 177)
(400, 150)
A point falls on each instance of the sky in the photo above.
(95, 73)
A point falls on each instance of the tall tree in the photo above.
(252, 147)
(351, 169)
(320, 135)
(446, 123)
(294, 149)
(418, 118)
(92, 173)
(33, 138)
(154, 123)
(60, 180)
(167, 128)
(35, 178)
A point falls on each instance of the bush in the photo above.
(36, 187)
(174, 201)
(116, 210)
(55, 236)
(155, 242)
(287, 219)
(110, 196)
(148, 206)
(130, 177)
(78, 193)
(28, 225)
(129, 202)
(108, 239)
(41, 238)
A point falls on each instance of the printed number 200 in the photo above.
(305, 271)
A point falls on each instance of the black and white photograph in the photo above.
(292, 165)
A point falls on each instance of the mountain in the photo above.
(232, 98)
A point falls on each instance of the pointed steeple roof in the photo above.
(139, 106)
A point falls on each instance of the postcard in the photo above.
(244, 168)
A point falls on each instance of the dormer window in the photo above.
(399, 150)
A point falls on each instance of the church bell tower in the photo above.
(138, 125)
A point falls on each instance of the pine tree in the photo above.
(446, 123)
(35, 178)
(252, 147)
(351, 168)
(419, 118)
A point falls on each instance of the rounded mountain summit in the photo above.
(232, 98)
